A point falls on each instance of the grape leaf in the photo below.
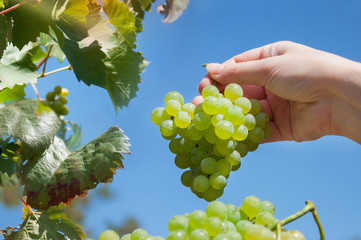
(122, 19)
(172, 9)
(47, 40)
(74, 141)
(28, 24)
(8, 180)
(35, 131)
(8, 95)
(5, 32)
(53, 224)
(139, 6)
(2, 4)
(16, 67)
(59, 175)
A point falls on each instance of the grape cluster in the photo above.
(57, 100)
(213, 136)
(220, 221)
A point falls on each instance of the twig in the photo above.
(36, 91)
(46, 61)
(55, 71)
(11, 8)
(279, 228)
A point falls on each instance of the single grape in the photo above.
(204, 144)
(171, 137)
(200, 183)
(210, 135)
(228, 226)
(256, 135)
(240, 133)
(265, 218)
(173, 146)
(294, 235)
(201, 121)
(212, 194)
(221, 236)
(262, 119)
(210, 90)
(236, 167)
(182, 119)
(249, 121)
(213, 226)
(193, 133)
(217, 209)
(267, 131)
(259, 232)
(251, 146)
(182, 132)
(217, 180)
(63, 110)
(137, 234)
(174, 95)
(242, 226)
(182, 160)
(242, 149)
(177, 235)
(233, 236)
(189, 108)
(226, 146)
(125, 237)
(63, 99)
(224, 167)
(267, 206)
(255, 106)
(225, 105)
(233, 213)
(50, 96)
(209, 165)
(234, 158)
(158, 115)
(178, 222)
(173, 107)
(199, 234)
(109, 235)
(235, 115)
(216, 118)
(197, 219)
(211, 105)
(198, 109)
(217, 153)
(197, 155)
(224, 129)
(233, 91)
(57, 90)
(187, 178)
(168, 128)
(64, 92)
(243, 103)
(251, 206)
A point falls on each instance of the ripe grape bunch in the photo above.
(213, 136)
(250, 221)
(57, 100)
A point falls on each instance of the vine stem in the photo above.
(28, 207)
(55, 71)
(11, 8)
(310, 207)
(45, 62)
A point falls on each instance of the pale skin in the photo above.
(307, 93)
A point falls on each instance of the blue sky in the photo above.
(326, 171)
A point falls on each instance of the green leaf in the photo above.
(28, 24)
(47, 40)
(16, 67)
(172, 9)
(122, 19)
(8, 95)
(35, 131)
(8, 180)
(49, 225)
(2, 4)
(5, 32)
(139, 6)
(74, 141)
(59, 175)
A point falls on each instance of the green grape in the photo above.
(216, 118)
(174, 95)
(217, 153)
(259, 232)
(146, 238)
(225, 147)
(210, 90)
(225, 105)
(158, 115)
(182, 132)
(182, 119)
(251, 146)
(242, 226)
(64, 92)
(157, 238)
(171, 137)
(204, 144)
(224, 167)
(262, 119)
(201, 121)
(251, 206)
(233, 91)
(228, 226)
(224, 129)
(249, 121)
(240, 133)
(173, 107)
(56, 105)
(265, 218)
(173, 146)
(293, 235)
(126, 237)
(200, 183)
(198, 194)
(213, 226)
(63, 99)
(256, 135)
(193, 133)
(50, 96)
(209, 165)
(198, 109)
(109, 235)
(267, 131)
(189, 108)
(243, 103)
(236, 167)
(217, 209)
(199, 234)
(138, 233)
(197, 155)
(185, 145)
(217, 180)
(197, 219)
(235, 115)
(178, 222)
(210, 135)
(187, 178)
(233, 213)
(221, 236)
(234, 235)
(182, 160)
(177, 235)
(242, 149)
(255, 106)
(243, 215)
(57, 90)
(63, 110)
(212, 194)
(211, 105)
(234, 158)
(267, 206)
(168, 128)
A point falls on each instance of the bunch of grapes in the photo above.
(212, 136)
(57, 100)
(250, 221)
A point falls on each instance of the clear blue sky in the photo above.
(326, 171)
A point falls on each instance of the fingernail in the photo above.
(214, 68)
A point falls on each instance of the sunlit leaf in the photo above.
(8, 95)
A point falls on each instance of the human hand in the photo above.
(301, 89)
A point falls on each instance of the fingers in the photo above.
(197, 100)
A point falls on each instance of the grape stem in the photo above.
(55, 71)
(45, 62)
(310, 207)
(11, 8)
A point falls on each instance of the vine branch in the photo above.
(55, 71)
(11, 8)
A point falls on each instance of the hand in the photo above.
(307, 93)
